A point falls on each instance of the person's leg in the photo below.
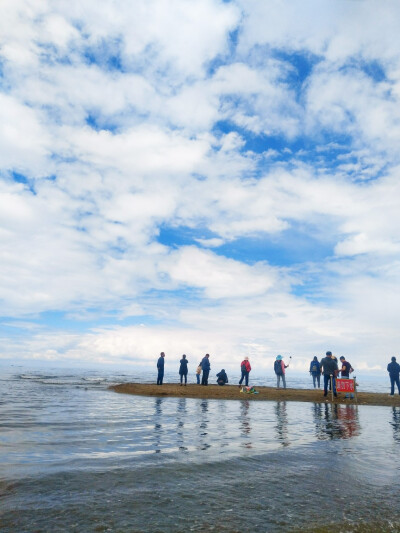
(326, 381)
(185, 379)
(319, 380)
(334, 386)
(198, 379)
(314, 378)
(161, 377)
(284, 381)
(241, 379)
(391, 385)
(278, 380)
(247, 379)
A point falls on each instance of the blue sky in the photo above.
(200, 176)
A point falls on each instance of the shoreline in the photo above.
(232, 392)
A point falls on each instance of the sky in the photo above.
(199, 176)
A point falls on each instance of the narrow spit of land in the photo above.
(232, 392)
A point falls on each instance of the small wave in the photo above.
(53, 381)
(63, 380)
(34, 376)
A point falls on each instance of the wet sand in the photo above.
(232, 392)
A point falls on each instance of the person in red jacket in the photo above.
(245, 368)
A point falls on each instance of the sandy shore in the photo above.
(232, 392)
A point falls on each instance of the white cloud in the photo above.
(210, 243)
(218, 276)
(131, 121)
(24, 141)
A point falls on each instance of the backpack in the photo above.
(243, 367)
(278, 368)
(314, 368)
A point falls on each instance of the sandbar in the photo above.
(232, 392)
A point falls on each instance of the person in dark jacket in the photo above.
(183, 369)
(329, 368)
(346, 369)
(205, 366)
(394, 370)
(345, 372)
(222, 378)
(315, 371)
(160, 367)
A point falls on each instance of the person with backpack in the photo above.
(315, 371)
(394, 371)
(245, 368)
(183, 369)
(279, 368)
(222, 378)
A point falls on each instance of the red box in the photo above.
(345, 385)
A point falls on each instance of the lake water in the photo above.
(77, 457)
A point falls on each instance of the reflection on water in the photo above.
(245, 426)
(334, 421)
(205, 424)
(187, 425)
(396, 423)
(282, 423)
(204, 421)
(180, 419)
(223, 423)
(158, 425)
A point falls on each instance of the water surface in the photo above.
(78, 457)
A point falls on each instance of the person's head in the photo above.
(279, 358)
(183, 356)
(393, 359)
(207, 355)
(315, 358)
(162, 354)
(246, 358)
(223, 370)
(342, 358)
(328, 354)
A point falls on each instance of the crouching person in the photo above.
(222, 378)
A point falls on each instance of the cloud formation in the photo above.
(199, 176)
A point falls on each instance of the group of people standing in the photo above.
(203, 370)
(329, 368)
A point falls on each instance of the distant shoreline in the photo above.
(232, 392)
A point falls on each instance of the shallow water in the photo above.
(75, 456)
